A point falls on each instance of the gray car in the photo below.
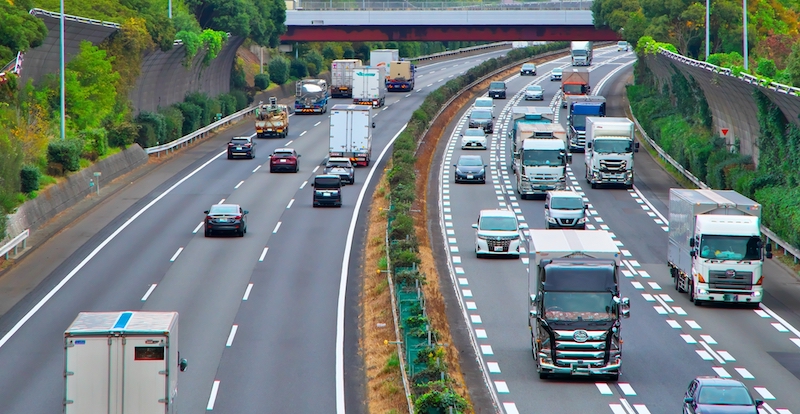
(482, 118)
(470, 169)
(564, 209)
(341, 167)
(534, 93)
(226, 218)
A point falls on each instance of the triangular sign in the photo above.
(724, 131)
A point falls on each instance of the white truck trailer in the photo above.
(122, 362)
(715, 250)
(383, 57)
(351, 133)
(369, 86)
(575, 306)
(608, 155)
(342, 77)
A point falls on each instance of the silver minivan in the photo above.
(565, 210)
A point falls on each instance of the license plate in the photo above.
(238, 148)
(498, 248)
(327, 194)
(283, 160)
(469, 177)
(222, 220)
(730, 298)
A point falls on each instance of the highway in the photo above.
(268, 322)
(667, 341)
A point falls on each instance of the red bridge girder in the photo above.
(446, 33)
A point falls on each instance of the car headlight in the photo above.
(481, 237)
(582, 220)
(551, 220)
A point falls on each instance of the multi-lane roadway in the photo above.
(667, 341)
(268, 322)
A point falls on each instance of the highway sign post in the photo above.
(98, 174)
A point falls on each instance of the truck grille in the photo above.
(730, 279)
(591, 352)
(544, 177)
(613, 165)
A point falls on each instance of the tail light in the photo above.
(238, 217)
(230, 144)
(248, 145)
(208, 218)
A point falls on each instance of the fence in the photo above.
(14, 244)
(301, 5)
(200, 133)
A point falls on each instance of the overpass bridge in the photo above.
(441, 21)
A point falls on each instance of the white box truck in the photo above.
(369, 86)
(608, 155)
(383, 57)
(575, 306)
(122, 362)
(351, 133)
(715, 249)
(342, 77)
(581, 52)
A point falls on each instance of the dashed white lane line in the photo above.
(288, 143)
(603, 388)
(692, 324)
(761, 313)
(303, 133)
(709, 339)
(501, 386)
(221, 201)
(231, 335)
(149, 292)
(510, 408)
(480, 333)
(626, 388)
(617, 409)
(196, 229)
(711, 352)
(487, 350)
(318, 122)
(175, 256)
(304, 183)
(493, 367)
(263, 254)
(247, 292)
(256, 169)
(641, 409)
(213, 398)
(290, 203)
(721, 372)
(476, 319)
(315, 169)
(765, 394)
(744, 373)
(238, 185)
(277, 226)
(779, 327)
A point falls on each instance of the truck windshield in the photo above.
(498, 224)
(578, 306)
(578, 121)
(574, 89)
(579, 52)
(612, 146)
(566, 203)
(730, 247)
(538, 158)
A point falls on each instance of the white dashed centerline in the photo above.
(247, 291)
(196, 229)
(277, 226)
(213, 398)
(313, 171)
(238, 185)
(305, 182)
(231, 335)
(290, 203)
(318, 122)
(221, 201)
(263, 254)
(289, 143)
(149, 292)
(175, 256)
(303, 133)
(256, 169)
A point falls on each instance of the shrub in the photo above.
(279, 70)
(402, 227)
(192, 116)
(404, 258)
(241, 99)
(173, 123)
(64, 153)
(315, 58)
(29, 178)
(262, 81)
(228, 103)
(122, 134)
(152, 129)
(298, 69)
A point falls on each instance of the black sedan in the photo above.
(226, 218)
(470, 169)
(241, 147)
(714, 395)
(341, 167)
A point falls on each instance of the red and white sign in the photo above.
(724, 131)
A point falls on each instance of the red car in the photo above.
(284, 159)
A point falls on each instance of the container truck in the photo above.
(369, 86)
(581, 52)
(609, 151)
(580, 107)
(715, 251)
(383, 57)
(351, 133)
(401, 77)
(540, 165)
(122, 362)
(272, 120)
(311, 96)
(342, 77)
(541, 130)
(528, 115)
(575, 308)
(574, 82)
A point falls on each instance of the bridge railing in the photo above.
(439, 5)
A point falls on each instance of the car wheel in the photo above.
(207, 233)
(271, 170)
(245, 229)
(241, 233)
(297, 168)
(230, 156)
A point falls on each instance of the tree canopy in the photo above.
(260, 20)
(19, 31)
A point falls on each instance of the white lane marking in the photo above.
(277, 226)
(511, 408)
(796, 341)
(726, 355)
(764, 393)
(213, 398)
(221, 201)
(709, 339)
(703, 354)
(761, 313)
(471, 305)
(502, 387)
(652, 207)
(247, 292)
(617, 409)
(290, 203)
(238, 185)
(494, 367)
(256, 169)
(643, 273)
(711, 352)
(318, 122)
(288, 143)
(745, 373)
(149, 291)
(481, 333)
(175, 256)
(688, 339)
(679, 310)
(674, 324)
(303, 133)
(231, 335)
(315, 169)
(340, 408)
(603, 388)
(487, 350)
(476, 319)
(263, 254)
(626, 388)
(196, 229)
(641, 409)
(463, 281)
(304, 184)
(408, 95)
(692, 324)
(779, 327)
(721, 372)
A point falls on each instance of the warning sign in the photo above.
(724, 132)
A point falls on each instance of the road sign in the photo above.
(97, 174)
(724, 132)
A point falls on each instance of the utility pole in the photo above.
(170, 9)
(708, 27)
(744, 32)
(63, 106)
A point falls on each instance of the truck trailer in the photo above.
(574, 83)
(342, 77)
(272, 120)
(575, 308)
(609, 151)
(580, 107)
(122, 362)
(351, 133)
(311, 96)
(383, 57)
(401, 77)
(715, 251)
(369, 86)
(581, 52)
(528, 115)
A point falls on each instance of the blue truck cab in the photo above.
(580, 108)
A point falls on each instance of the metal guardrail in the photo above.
(396, 319)
(41, 12)
(200, 133)
(14, 244)
(459, 51)
(769, 234)
(753, 80)
(317, 5)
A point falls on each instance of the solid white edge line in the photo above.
(213, 397)
(263, 254)
(196, 229)
(340, 409)
(247, 292)
(175, 256)
(652, 207)
(231, 335)
(149, 291)
(781, 320)
(97, 250)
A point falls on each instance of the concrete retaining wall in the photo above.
(50, 202)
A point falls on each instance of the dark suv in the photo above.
(482, 118)
(285, 159)
(327, 190)
(241, 147)
(497, 90)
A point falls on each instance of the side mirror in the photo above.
(589, 145)
(534, 313)
(625, 307)
(206, 212)
(545, 206)
(759, 403)
(312, 184)
(455, 165)
(298, 155)
(688, 400)
(475, 226)
(569, 158)
(183, 364)
(373, 125)
(485, 165)
(691, 242)
(533, 298)
(523, 226)
(247, 212)
(635, 147)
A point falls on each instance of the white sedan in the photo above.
(473, 138)
(534, 92)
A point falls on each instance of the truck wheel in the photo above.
(594, 185)
(544, 376)
(614, 377)
(691, 295)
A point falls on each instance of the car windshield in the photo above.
(558, 71)
(538, 158)
(283, 154)
(566, 203)
(612, 146)
(534, 88)
(338, 164)
(528, 66)
(730, 247)
(497, 85)
(623, 44)
(475, 133)
(327, 182)
(223, 209)
(498, 224)
(724, 395)
(483, 103)
(578, 306)
(470, 161)
(481, 115)
(239, 141)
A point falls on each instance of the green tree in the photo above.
(315, 58)
(332, 51)
(90, 87)
(262, 81)
(793, 65)
(298, 68)
(260, 20)
(766, 68)
(19, 31)
(279, 70)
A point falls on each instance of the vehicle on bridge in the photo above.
(122, 362)
(575, 307)
(715, 248)
(342, 77)
(351, 133)
(581, 53)
(609, 151)
(401, 77)
(311, 96)
(327, 190)
(580, 107)
(369, 86)
(272, 120)
(575, 82)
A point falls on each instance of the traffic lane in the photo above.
(286, 334)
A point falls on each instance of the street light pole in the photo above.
(744, 32)
(63, 106)
(708, 24)
(170, 9)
